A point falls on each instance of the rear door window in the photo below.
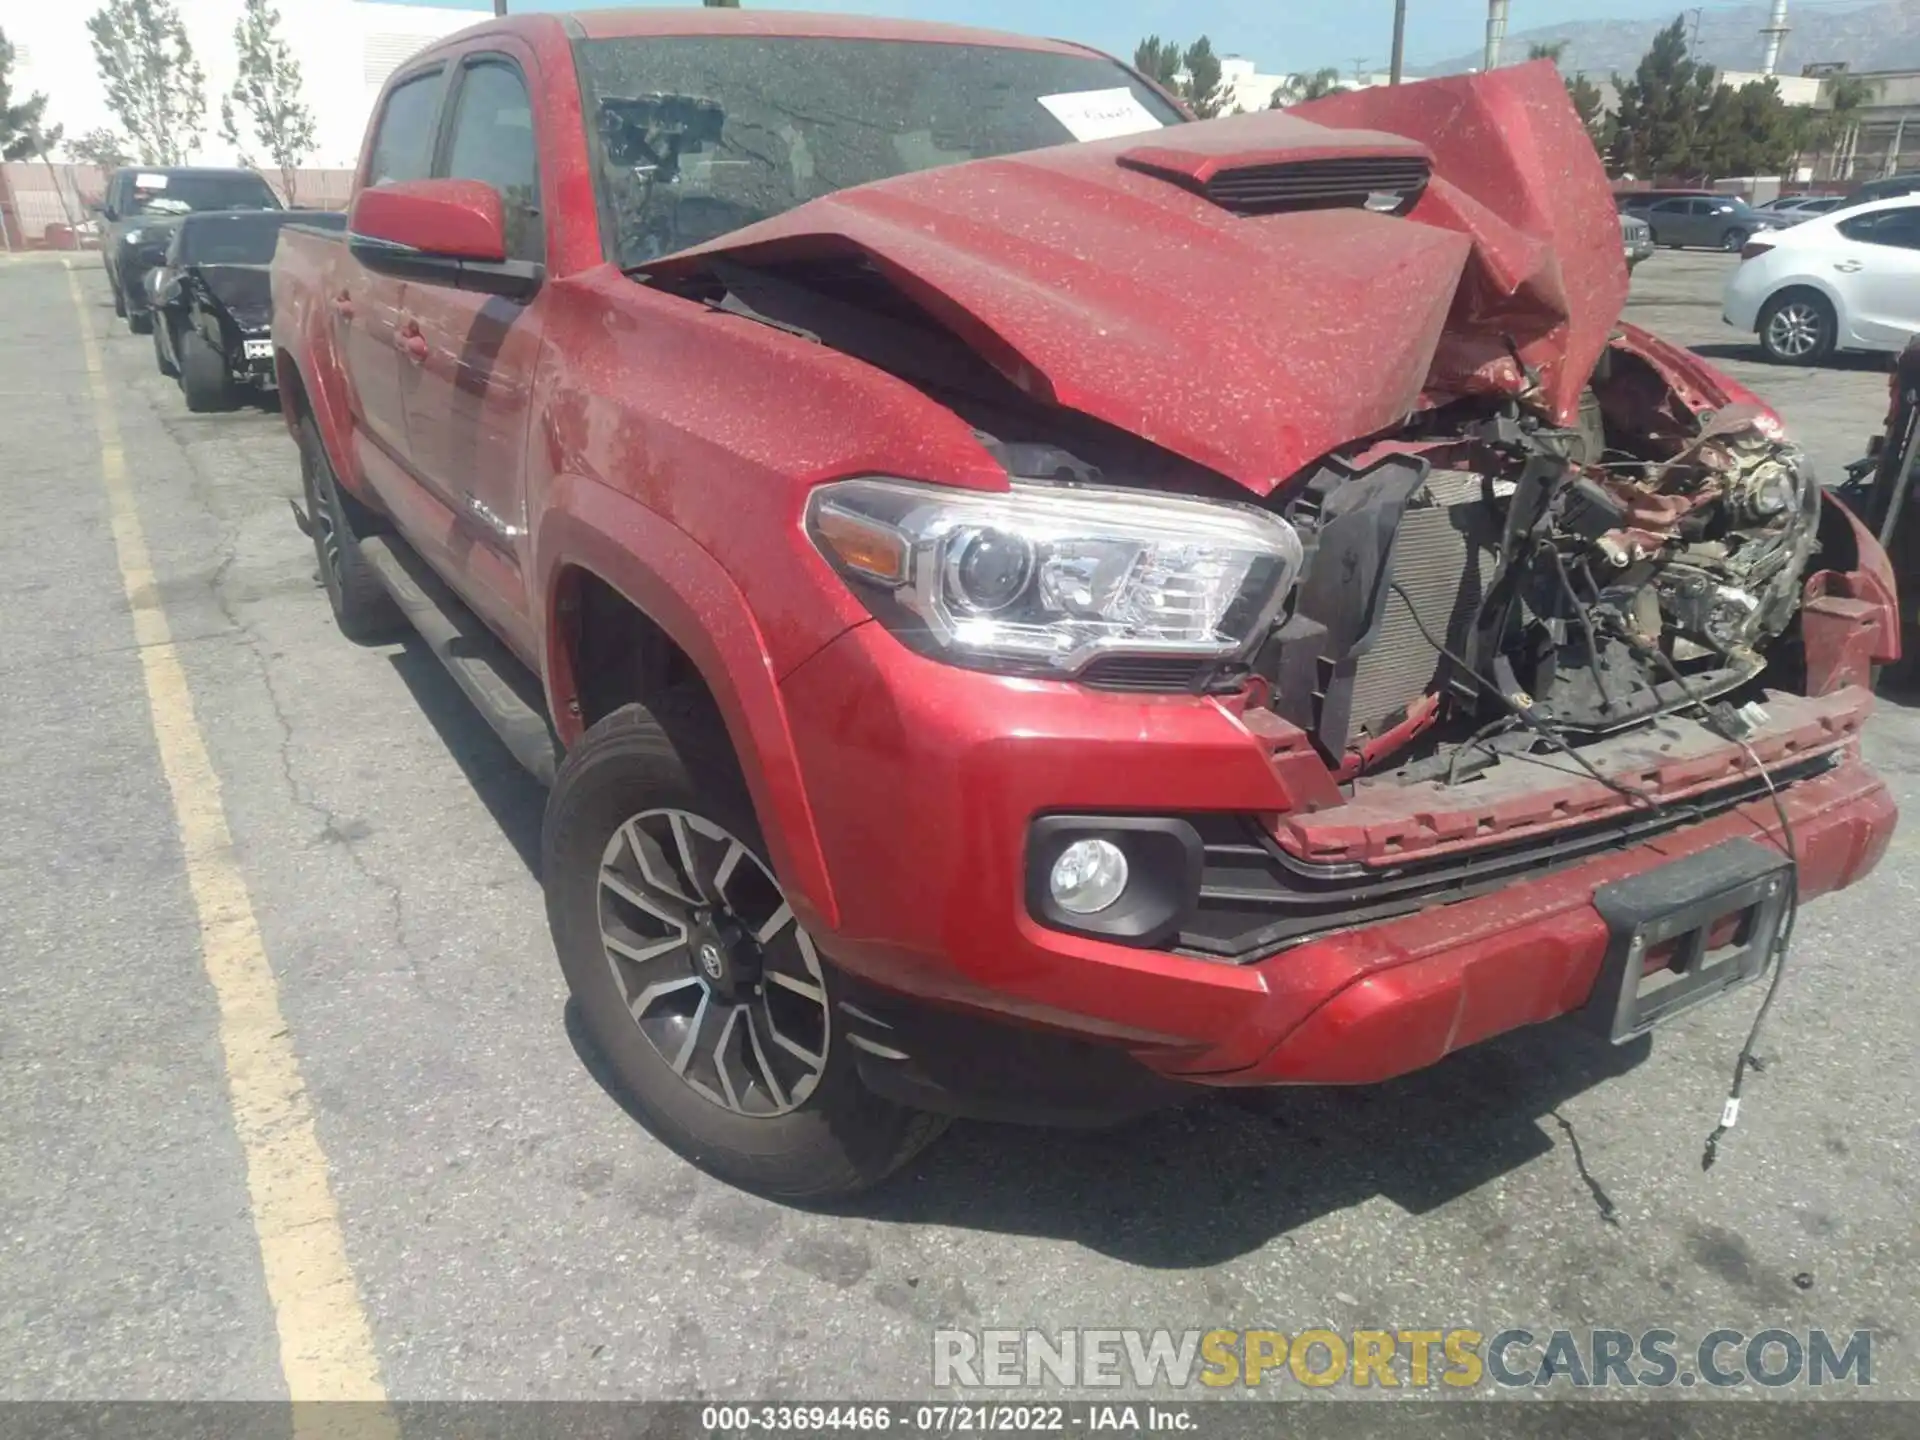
(1900, 228)
(403, 145)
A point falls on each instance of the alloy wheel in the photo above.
(715, 969)
(1794, 331)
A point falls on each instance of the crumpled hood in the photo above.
(1101, 278)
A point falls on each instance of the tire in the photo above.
(362, 608)
(140, 322)
(167, 367)
(119, 300)
(203, 374)
(644, 787)
(1734, 240)
(1797, 327)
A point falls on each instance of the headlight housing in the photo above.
(134, 236)
(1044, 579)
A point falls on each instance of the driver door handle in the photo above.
(412, 343)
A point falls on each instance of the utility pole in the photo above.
(1396, 63)
(1496, 33)
(499, 7)
(1693, 39)
(1775, 31)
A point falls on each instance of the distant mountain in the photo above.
(1878, 35)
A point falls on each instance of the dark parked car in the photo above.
(214, 304)
(1891, 188)
(1717, 222)
(1638, 202)
(139, 214)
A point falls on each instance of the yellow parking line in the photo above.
(326, 1346)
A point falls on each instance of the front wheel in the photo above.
(699, 986)
(362, 608)
(1798, 328)
(1734, 240)
(203, 374)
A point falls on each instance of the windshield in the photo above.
(701, 135)
(161, 194)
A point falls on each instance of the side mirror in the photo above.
(442, 232)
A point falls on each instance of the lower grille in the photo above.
(1257, 900)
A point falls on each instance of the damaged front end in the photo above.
(1483, 566)
(1529, 534)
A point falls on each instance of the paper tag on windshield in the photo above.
(149, 182)
(1100, 114)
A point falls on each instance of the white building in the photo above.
(346, 50)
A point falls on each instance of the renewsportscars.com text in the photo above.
(1416, 1359)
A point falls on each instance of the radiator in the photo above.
(1444, 555)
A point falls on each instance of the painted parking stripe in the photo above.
(326, 1345)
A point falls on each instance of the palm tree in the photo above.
(1296, 88)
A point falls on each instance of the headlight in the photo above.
(1044, 578)
(134, 236)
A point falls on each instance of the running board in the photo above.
(490, 675)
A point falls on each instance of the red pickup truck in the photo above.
(1030, 604)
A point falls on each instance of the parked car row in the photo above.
(188, 255)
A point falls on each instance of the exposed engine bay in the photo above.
(1486, 565)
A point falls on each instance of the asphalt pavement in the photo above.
(513, 1234)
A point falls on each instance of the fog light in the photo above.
(1088, 876)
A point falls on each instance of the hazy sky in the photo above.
(1282, 35)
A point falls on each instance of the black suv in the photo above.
(142, 205)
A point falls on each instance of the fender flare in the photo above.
(328, 409)
(671, 579)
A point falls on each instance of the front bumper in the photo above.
(923, 780)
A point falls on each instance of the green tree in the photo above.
(1658, 129)
(1193, 74)
(266, 90)
(1552, 50)
(1297, 88)
(100, 147)
(23, 123)
(154, 86)
(1750, 131)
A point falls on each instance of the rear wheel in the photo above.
(1798, 327)
(203, 374)
(362, 608)
(699, 986)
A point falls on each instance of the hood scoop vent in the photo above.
(1271, 163)
(1389, 183)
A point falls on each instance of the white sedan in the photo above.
(1849, 280)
